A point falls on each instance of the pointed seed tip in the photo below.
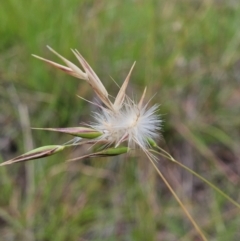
(51, 49)
(74, 51)
(132, 66)
(37, 57)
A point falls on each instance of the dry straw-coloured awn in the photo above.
(118, 122)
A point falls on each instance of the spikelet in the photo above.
(121, 121)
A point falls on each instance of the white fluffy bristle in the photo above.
(132, 124)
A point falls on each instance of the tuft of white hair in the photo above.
(132, 123)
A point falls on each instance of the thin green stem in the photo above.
(169, 157)
(178, 200)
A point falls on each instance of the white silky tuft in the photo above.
(131, 123)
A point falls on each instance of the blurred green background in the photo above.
(187, 53)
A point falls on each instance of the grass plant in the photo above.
(187, 52)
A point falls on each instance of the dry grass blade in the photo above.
(73, 67)
(83, 132)
(59, 66)
(122, 92)
(140, 103)
(94, 81)
(35, 154)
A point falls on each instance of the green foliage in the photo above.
(187, 54)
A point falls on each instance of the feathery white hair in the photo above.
(131, 123)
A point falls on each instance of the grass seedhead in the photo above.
(135, 124)
(37, 153)
(83, 132)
